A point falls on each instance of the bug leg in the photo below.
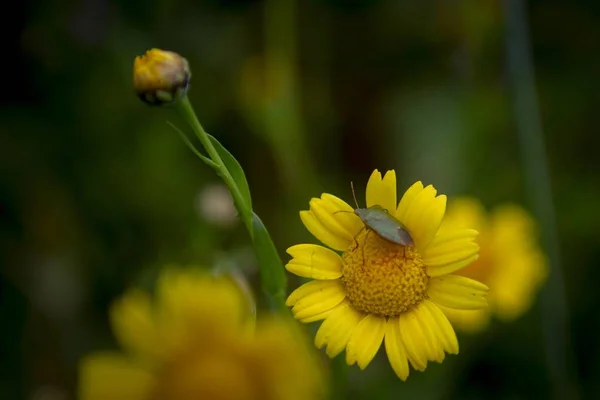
(365, 245)
(355, 240)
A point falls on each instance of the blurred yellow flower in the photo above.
(513, 276)
(378, 290)
(197, 340)
(160, 77)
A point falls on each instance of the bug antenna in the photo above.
(354, 194)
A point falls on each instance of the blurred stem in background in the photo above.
(283, 126)
(537, 179)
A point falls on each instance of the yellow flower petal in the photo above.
(317, 317)
(424, 216)
(112, 376)
(441, 327)
(343, 213)
(449, 268)
(283, 366)
(450, 251)
(382, 192)
(514, 285)
(322, 233)
(407, 200)
(133, 325)
(336, 330)
(455, 291)
(395, 349)
(365, 340)
(319, 298)
(307, 289)
(186, 296)
(431, 343)
(313, 261)
(470, 321)
(329, 218)
(514, 265)
(303, 290)
(412, 338)
(464, 212)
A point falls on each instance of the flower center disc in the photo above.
(381, 277)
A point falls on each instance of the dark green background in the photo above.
(97, 192)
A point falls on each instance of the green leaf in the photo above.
(272, 273)
(235, 169)
(193, 148)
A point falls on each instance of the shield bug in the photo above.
(379, 220)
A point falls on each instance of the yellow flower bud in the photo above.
(160, 77)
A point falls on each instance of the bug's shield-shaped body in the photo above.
(384, 224)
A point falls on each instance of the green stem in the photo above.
(272, 274)
(187, 111)
(284, 126)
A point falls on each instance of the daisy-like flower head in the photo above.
(377, 291)
(514, 276)
(197, 340)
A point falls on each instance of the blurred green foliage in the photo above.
(97, 192)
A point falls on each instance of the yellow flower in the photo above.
(196, 340)
(377, 290)
(160, 77)
(511, 262)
